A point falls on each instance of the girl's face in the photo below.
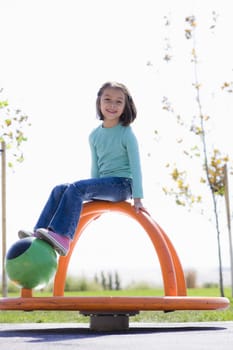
(112, 105)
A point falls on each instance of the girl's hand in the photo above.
(139, 206)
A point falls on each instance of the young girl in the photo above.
(115, 171)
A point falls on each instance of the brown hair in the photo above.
(130, 112)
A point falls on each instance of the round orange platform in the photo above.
(114, 304)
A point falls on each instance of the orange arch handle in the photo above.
(171, 268)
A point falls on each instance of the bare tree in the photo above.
(213, 162)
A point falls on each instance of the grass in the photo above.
(144, 316)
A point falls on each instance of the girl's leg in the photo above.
(61, 213)
(51, 206)
(67, 214)
(48, 211)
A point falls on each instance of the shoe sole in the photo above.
(44, 234)
(24, 234)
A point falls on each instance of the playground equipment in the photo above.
(112, 313)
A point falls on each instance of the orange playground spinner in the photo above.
(175, 293)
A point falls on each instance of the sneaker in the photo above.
(60, 243)
(24, 234)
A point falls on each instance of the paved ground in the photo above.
(162, 336)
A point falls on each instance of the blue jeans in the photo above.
(62, 211)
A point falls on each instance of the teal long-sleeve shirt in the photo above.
(115, 152)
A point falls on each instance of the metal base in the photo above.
(108, 321)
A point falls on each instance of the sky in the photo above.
(55, 54)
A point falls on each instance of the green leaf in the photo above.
(8, 122)
(3, 104)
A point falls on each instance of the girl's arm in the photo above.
(134, 163)
(134, 160)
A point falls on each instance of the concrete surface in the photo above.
(140, 336)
